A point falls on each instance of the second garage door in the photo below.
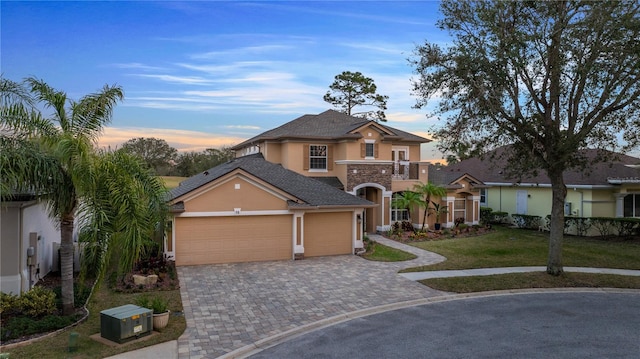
(327, 234)
(210, 240)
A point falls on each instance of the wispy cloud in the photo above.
(138, 66)
(241, 51)
(187, 80)
(242, 127)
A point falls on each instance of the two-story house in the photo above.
(311, 187)
(364, 158)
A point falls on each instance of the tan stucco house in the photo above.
(364, 158)
(606, 189)
(250, 209)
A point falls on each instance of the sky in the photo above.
(202, 74)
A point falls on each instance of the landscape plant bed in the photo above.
(167, 277)
(56, 346)
(433, 235)
(18, 326)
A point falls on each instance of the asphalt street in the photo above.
(532, 325)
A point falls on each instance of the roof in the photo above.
(328, 125)
(598, 174)
(308, 191)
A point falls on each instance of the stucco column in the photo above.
(298, 235)
(476, 210)
(451, 202)
(620, 204)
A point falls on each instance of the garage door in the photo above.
(327, 234)
(209, 240)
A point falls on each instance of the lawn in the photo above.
(508, 247)
(57, 345)
(381, 253)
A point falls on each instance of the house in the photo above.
(606, 189)
(361, 157)
(250, 209)
(463, 198)
(27, 237)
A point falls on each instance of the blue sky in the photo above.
(209, 73)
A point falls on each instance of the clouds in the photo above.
(226, 69)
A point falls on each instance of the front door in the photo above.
(521, 202)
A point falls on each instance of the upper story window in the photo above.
(318, 157)
(369, 149)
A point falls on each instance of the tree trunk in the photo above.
(556, 230)
(66, 258)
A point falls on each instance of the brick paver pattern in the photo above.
(228, 306)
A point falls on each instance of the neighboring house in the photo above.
(250, 209)
(364, 158)
(463, 195)
(606, 189)
(24, 224)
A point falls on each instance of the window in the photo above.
(632, 205)
(369, 149)
(459, 208)
(398, 214)
(318, 157)
(483, 197)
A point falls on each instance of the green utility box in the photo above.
(124, 323)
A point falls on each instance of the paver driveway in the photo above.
(228, 306)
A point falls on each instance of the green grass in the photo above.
(172, 181)
(531, 280)
(507, 247)
(382, 253)
(104, 298)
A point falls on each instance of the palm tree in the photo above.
(117, 203)
(428, 190)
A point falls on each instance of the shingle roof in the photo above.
(327, 125)
(493, 171)
(308, 190)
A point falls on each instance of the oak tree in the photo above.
(550, 78)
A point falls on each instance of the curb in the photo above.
(276, 339)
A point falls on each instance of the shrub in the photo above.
(526, 221)
(458, 221)
(20, 326)
(604, 225)
(500, 217)
(37, 302)
(625, 226)
(156, 303)
(8, 303)
(486, 215)
(408, 226)
(580, 224)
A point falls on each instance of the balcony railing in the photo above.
(401, 170)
